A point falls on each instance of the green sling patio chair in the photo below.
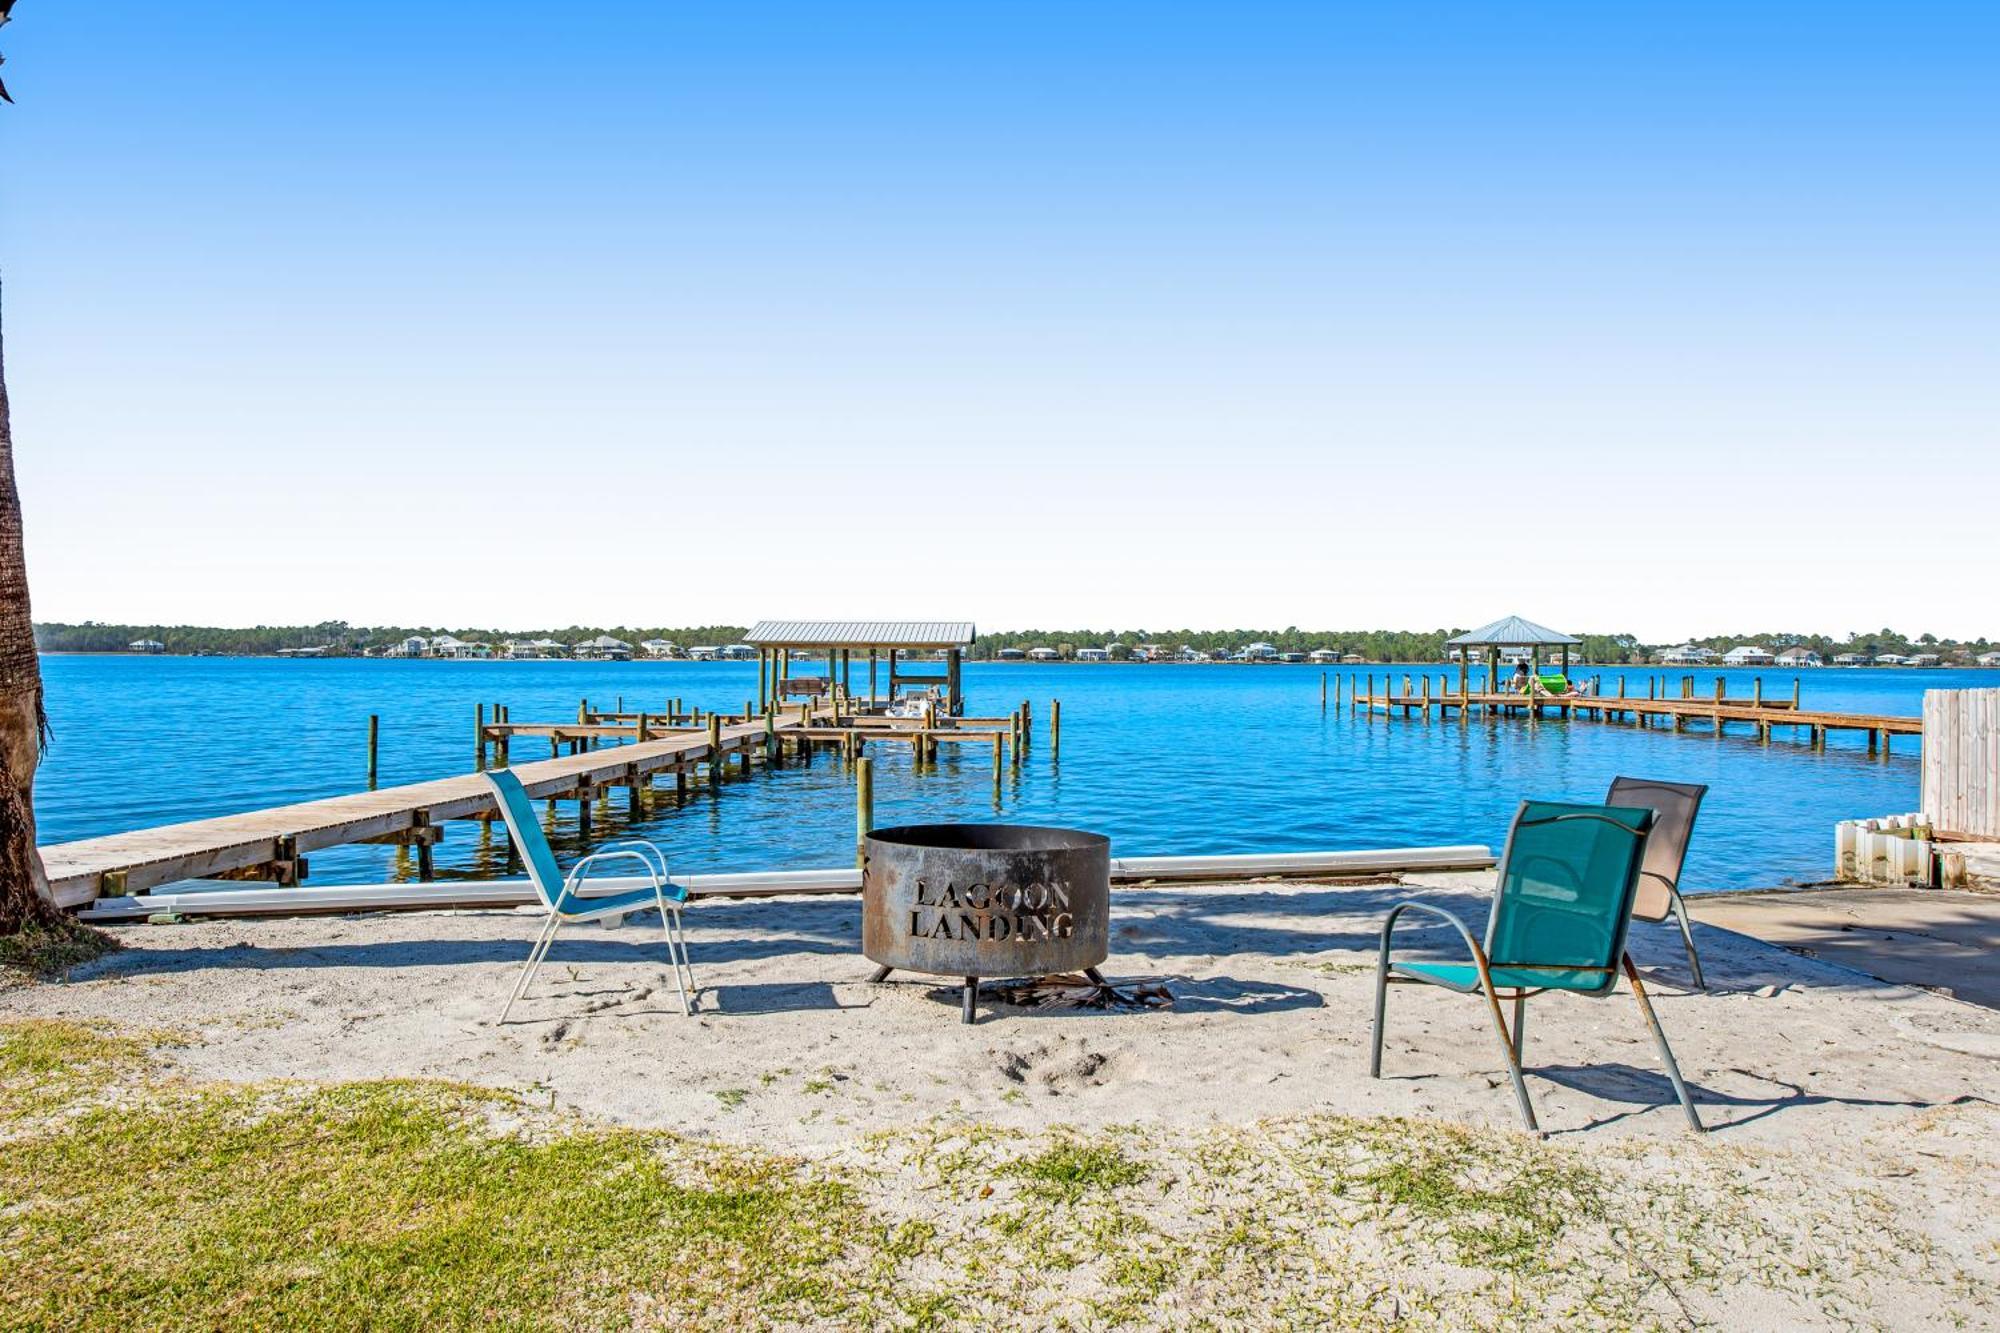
(561, 897)
(1560, 912)
(1674, 806)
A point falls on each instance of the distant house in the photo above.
(1798, 656)
(704, 652)
(1686, 655)
(1324, 656)
(1923, 660)
(604, 648)
(1043, 654)
(1891, 659)
(1149, 652)
(1221, 655)
(661, 648)
(1291, 657)
(448, 645)
(1259, 652)
(1988, 659)
(1852, 659)
(1093, 654)
(414, 646)
(738, 652)
(1352, 659)
(1748, 654)
(146, 646)
(1010, 655)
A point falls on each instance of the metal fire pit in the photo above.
(985, 900)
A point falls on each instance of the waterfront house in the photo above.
(661, 648)
(1010, 655)
(1259, 652)
(1093, 654)
(1043, 654)
(414, 646)
(704, 652)
(1291, 657)
(1748, 654)
(1352, 659)
(1988, 659)
(1923, 660)
(1891, 659)
(1149, 652)
(604, 648)
(1852, 659)
(1798, 656)
(1324, 656)
(450, 645)
(1686, 655)
(147, 646)
(739, 652)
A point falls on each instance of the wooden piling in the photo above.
(714, 750)
(1055, 727)
(374, 736)
(479, 736)
(864, 808)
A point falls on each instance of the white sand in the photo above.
(1798, 1066)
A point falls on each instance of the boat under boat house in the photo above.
(837, 641)
(1511, 633)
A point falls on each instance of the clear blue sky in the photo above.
(1666, 318)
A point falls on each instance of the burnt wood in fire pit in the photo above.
(985, 900)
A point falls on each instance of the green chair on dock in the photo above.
(1674, 806)
(1564, 900)
(562, 897)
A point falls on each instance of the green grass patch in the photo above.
(391, 1204)
(1070, 1167)
(44, 953)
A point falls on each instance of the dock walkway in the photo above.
(271, 844)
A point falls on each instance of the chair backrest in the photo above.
(1566, 886)
(519, 813)
(1674, 806)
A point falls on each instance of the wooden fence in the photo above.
(1962, 761)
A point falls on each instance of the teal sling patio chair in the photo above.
(1560, 913)
(1674, 806)
(561, 896)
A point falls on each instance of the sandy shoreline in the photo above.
(1826, 1090)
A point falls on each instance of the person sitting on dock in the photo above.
(1519, 683)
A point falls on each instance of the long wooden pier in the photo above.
(1423, 695)
(601, 750)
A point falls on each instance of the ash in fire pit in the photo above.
(973, 900)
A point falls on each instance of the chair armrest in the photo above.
(640, 845)
(1471, 944)
(659, 883)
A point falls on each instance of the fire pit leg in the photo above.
(881, 974)
(968, 1014)
(1095, 976)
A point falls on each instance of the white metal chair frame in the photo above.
(561, 913)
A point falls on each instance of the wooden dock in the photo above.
(600, 751)
(1423, 696)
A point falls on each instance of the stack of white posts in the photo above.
(1896, 849)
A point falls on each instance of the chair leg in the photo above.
(1666, 1051)
(1520, 1026)
(1381, 1008)
(535, 956)
(670, 921)
(1510, 1052)
(1687, 938)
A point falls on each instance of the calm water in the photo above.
(1165, 759)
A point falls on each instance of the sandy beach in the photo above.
(1854, 1127)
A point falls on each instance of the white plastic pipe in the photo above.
(233, 901)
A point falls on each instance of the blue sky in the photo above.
(1666, 319)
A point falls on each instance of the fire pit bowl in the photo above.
(985, 900)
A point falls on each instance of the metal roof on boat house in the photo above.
(1512, 632)
(861, 634)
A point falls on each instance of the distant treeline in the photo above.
(1371, 645)
(91, 637)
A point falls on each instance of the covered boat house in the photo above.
(837, 641)
(1515, 634)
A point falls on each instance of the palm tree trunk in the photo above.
(24, 887)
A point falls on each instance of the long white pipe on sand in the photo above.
(232, 901)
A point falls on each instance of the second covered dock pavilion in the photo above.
(838, 640)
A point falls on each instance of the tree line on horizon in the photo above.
(1372, 645)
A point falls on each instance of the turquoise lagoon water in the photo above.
(1165, 759)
